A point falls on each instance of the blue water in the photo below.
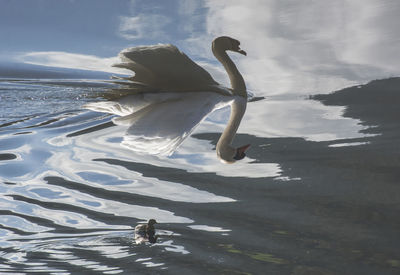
(317, 197)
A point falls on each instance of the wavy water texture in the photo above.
(72, 193)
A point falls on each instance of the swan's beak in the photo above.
(240, 152)
(243, 148)
(242, 52)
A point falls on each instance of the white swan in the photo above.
(172, 94)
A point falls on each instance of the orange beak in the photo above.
(240, 152)
(243, 148)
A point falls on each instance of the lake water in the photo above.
(71, 194)
(318, 192)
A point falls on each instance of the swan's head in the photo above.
(151, 222)
(225, 43)
(230, 155)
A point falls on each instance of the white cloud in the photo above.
(129, 27)
(188, 7)
(148, 26)
(72, 61)
(313, 47)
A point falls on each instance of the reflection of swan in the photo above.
(172, 94)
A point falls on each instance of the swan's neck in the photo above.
(237, 81)
(238, 108)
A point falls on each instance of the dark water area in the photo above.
(71, 195)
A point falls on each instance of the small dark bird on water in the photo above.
(146, 232)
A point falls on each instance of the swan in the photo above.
(170, 94)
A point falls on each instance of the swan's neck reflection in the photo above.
(225, 151)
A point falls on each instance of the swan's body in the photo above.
(173, 95)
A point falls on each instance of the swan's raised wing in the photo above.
(164, 67)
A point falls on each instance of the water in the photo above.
(323, 201)
(318, 192)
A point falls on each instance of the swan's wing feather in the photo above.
(165, 67)
(159, 122)
(124, 106)
(161, 126)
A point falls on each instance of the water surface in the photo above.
(71, 193)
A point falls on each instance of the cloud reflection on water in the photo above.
(293, 117)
